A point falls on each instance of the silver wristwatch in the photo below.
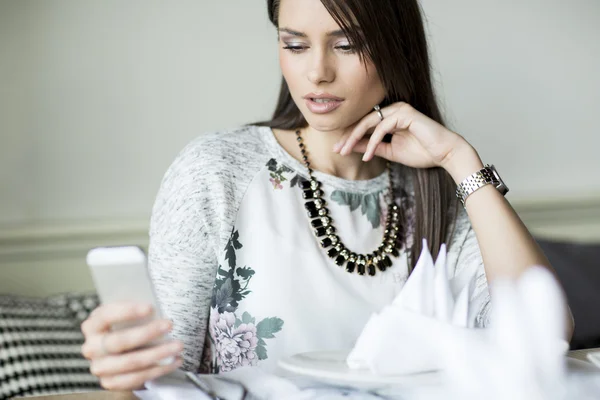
(485, 176)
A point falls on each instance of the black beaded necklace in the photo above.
(324, 230)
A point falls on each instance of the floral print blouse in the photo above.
(239, 270)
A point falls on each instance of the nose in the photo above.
(321, 68)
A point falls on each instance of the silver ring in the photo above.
(378, 109)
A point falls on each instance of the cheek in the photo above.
(367, 82)
(284, 62)
(289, 68)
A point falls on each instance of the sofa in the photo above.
(40, 345)
(578, 269)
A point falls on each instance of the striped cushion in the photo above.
(40, 345)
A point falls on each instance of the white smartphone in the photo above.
(121, 274)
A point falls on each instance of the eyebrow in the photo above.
(336, 33)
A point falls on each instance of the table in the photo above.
(105, 395)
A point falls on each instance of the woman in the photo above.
(244, 275)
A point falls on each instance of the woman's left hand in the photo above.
(417, 140)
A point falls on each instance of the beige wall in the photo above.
(97, 97)
(520, 81)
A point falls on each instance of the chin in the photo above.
(323, 127)
(325, 122)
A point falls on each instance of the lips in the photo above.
(322, 103)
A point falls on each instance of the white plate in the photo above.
(331, 367)
(594, 357)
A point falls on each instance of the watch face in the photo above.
(501, 186)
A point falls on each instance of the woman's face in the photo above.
(328, 82)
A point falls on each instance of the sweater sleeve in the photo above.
(466, 256)
(192, 219)
(182, 264)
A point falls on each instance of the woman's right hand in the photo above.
(113, 355)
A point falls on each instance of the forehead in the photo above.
(309, 16)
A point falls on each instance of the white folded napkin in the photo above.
(431, 292)
(403, 338)
(246, 383)
(241, 383)
(173, 386)
(523, 354)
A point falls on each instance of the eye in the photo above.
(295, 48)
(346, 48)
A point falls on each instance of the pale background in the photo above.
(97, 97)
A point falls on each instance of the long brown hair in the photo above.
(391, 34)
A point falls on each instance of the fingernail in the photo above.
(167, 361)
(337, 146)
(364, 157)
(144, 309)
(165, 326)
(175, 347)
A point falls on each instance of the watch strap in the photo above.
(485, 176)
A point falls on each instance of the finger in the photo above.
(101, 319)
(133, 338)
(338, 146)
(136, 379)
(136, 360)
(383, 150)
(98, 346)
(387, 125)
(359, 131)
